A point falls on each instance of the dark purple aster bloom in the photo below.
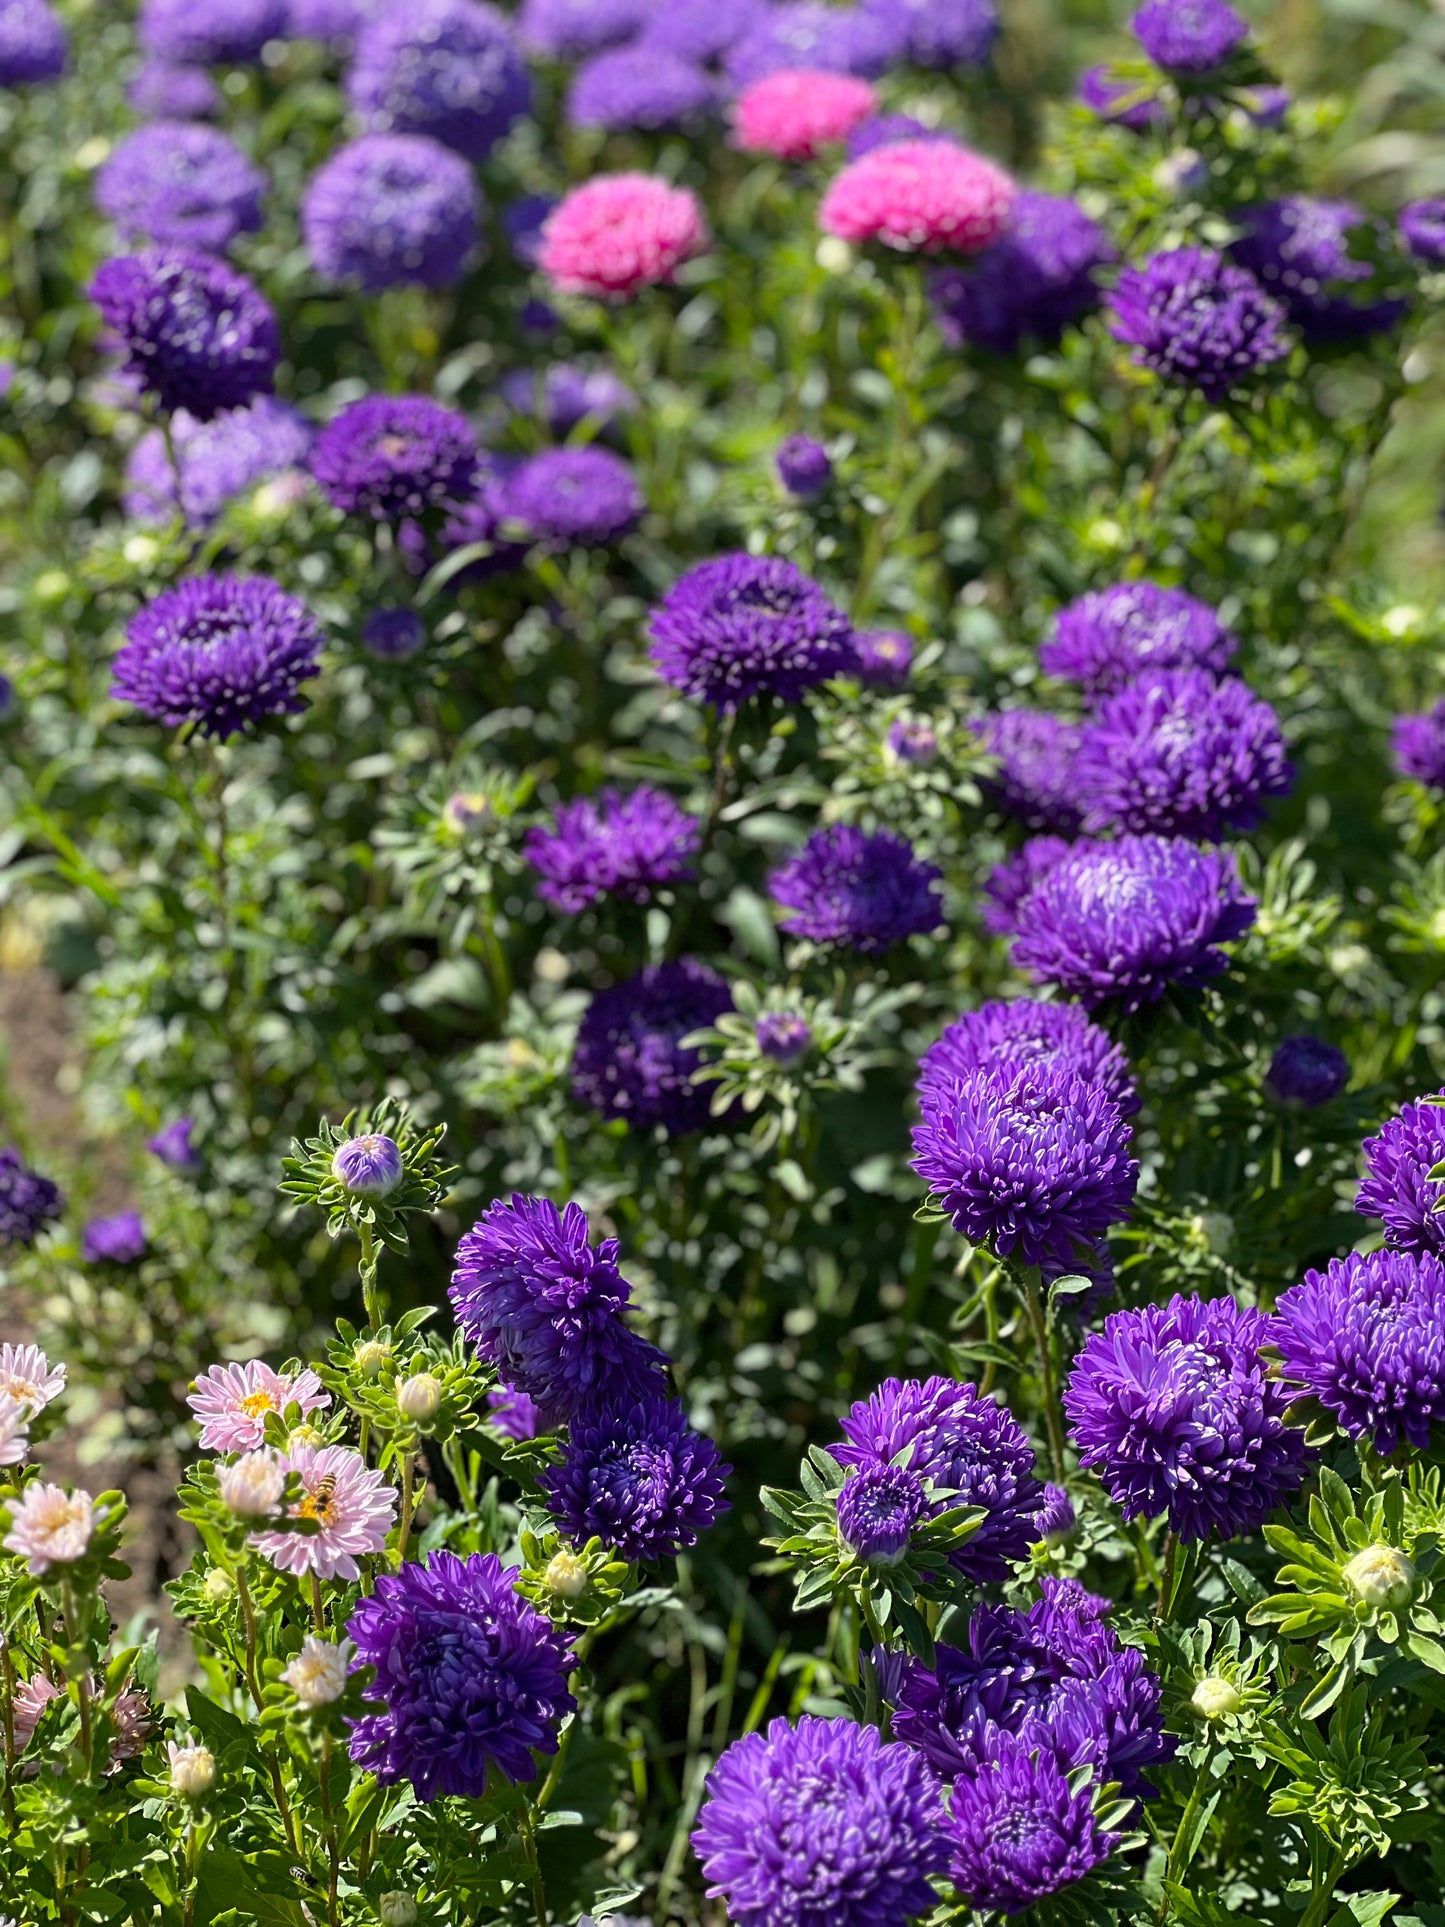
(568, 498)
(161, 91)
(1019, 1831)
(1034, 282)
(1128, 919)
(629, 1059)
(913, 743)
(28, 1202)
(448, 68)
(960, 1441)
(1422, 229)
(522, 223)
(822, 1824)
(219, 460)
(635, 1475)
(1418, 746)
(563, 396)
(1108, 637)
(394, 634)
(783, 1036)
(176, 182)
(814, 35)
(877, 1511)
(1171, 1407)
(391, 210)
(1123, 102)
(623, 846)
(702, 30)
(1034, 1161)
(1366, 1337)
(120, 1240)
(541, 1304)
(572, 29)
(1034, 781)
(469, 1677)
(33, 44)
(1057, 1518)
(882, 658)
(227, 31)
(881, 130)
(1298, 248)
(1399, 1187)
(939, 33)
(393, 456)
(514, 1414)
(1013, 879)
(1189, 36)
(196, 334)
(1197, 321)
(748, 625)
(804, 467)
(1025, 1035)
(1305, 1072)
(219, 653)
(638, 87)
(866, 890)
(172, 1145)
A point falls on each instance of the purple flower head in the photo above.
(748, 625)
(572, 498)
(394, 634)
(195, 333)
(877, 1511)
(220, 653)
(1197, 321)
(120, 1240)
(805, 468)
(28, 1202)
(915, 744)
(1034, 282)
(939, 33)
(822, 1824)
(391, 210)
(954, 1438)
(541, 1304)
(229, 32)
(1013, 879)
(1189, 36)
(572, 29)
(368, 1166)
(514, 1414)
(635, 1475)
(882, 130)
(329, 19)
(1305, 1072)
(219, 460)
(882, 659)
(1057, 1518)
(703, 30)
(847, 886)
(1020, 1833)
(1422, 229)
(630, 1061)
(1025, 1035)
(1366, 1337)
(1125, 920)
(810, 34)
(447, 68)
(1171, 1407)
(1034, 781)
(1119, 101)
(161, 91)
(564, 395)
(1034, 1161)
(1418, 746)
(480, 519)
(1298, 248)
(180, 184)
(470, 1678)
(393, 456)
(639, 87)
(33, 44)
(522, 223)
(783, 1036)
(624, 846)
(172, 1145)
(1399, 1188)
(1106, 638)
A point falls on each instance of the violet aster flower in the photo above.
(219, 653)
(638, 88)
(1034, 781)
(28, 1202)
(882, 659)
(471, 1680)
(959, 1441)
(877, 1511)
(232, 1402)
(119, 1240)
(1298, 249)
(1171, 1407)
(1305, 1072)
(161, 91)
(703, 30)
(866, 891)
(353, 1507)
(394, 634)
(1108, 637)
(329, 19)
(623, 846)
(196, 334)
(572, 498)
(545, 1307)
(1418, 746)
(226, 32)
(28, 1379)
(914, 744)
(178, 183)
(1036, 280)
(447, 68)
(514, 1414)
(1122, 102)
(481, 519)
(783, 1036)
(33, 44)
(1197, 321)
(1025, 1035)
(813, 34)
(391, 210)
(1366, 1337)
(219, 460)
(1020, 1832)
(1126, 920)
(635, 1475)
(1010, 883)
(572, 29)
(939, 33)
(748, 625)
(1422, 228)
(393, 456)
(630, 1061)
(880, 130)
(172, 1145)
(804, 467)
(822, 1821)
(1189, 36)
(1399, 1188)
(564, 395)
(1057, 1518)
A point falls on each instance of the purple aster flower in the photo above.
(821, 1822)
(638, 87)
(226, 33)
(28, 1202)
(537, 1301)
(814, 35)
(181, 184)
(1127, 919)
(882, 130)
(1057, 1519)
(1305, 1072)
(1399, 1187)
(865, 890)
(1266, 106)
(368, 1166)
(219, 460)
(393, 456)
(120, 1240)
(563, 396)
(882, 659)
(1025, 1035)
(1197, 321)
(960, 1442)
(1034, 781)
(1422, 229)
(522, 223)
(703, 30)
(630, 1061)
(481, 519)
(572, 498)
(1013, 879)
(1298, 249)
(635, 1475)
(161, 91)
(1020, 1832)
(1189, 36)
(471, 1679)
(33, 44)
(172, 1145)
(939, 33)
(448, 68)
(1034, 282)
(395, 634)
(1122, 102)
(514, 1414)
(623, 846)
(1171, 1407)
(748, 625)
(1106, 638)
(784, 1037)
(877, 1511)
(1418, 746)
(219, 653)
(195, 333)
(804, 467)
(391, 210)
(913, 743)
(331, 20)
(572, 29)
(1366, 1337)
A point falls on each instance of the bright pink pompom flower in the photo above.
(922, 197)
(795, 112)
(619, 233)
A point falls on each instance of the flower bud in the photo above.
(252, 1487)
(371, 1357)
(317, 1675)
(1215, 1699)
(465, 811)
(218, 1586)
(193, 1770)
(913, 743)
(1380, 1576)
(783, 1036)
(567, 1576)
(368, 1166)
(305, 1434)
(397, 1910)
(419, 1397)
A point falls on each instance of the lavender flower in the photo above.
(639, 87)
(1422, 229)
(181, 184)
(120, 1240)
(394, 634)
(172, 1145)
(814, 35)
(28, 1202)
(1399, 1188)
(635, 1475)
(914, 744)
(882, 659)
(227, 32)
(1189, 36)
(219, 460)
(572, 498)
(161, 91)
(867, 891)
(1020, 1832)
(1305, 1072)
(783, 1036)
(1025, 1035)
(1006, 888)
(393, 456)
(1108, 637)
(939, 33)
(447, 68)
(630, 1061)
(1121, 102)
(33, 44)
(624, 846)
(564, 396)
(804, 467)
(1032, 284)
(514, 1414)
(881, 130)
(748, 625)
(572, 29)
(1034, 781)
(196, 334)
(1057, 1518)
(1298, 248)
(1196, 321)
(877, 1511)
(703, 30)
(391, 210)
(1418, 746)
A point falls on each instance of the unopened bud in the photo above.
(317, 1675)
(1215, 1699)
(466, 810)
(368, 1166)
(566, 1575)
(397, 1910)
(371, 1357)
(193, 1770)
(218, 1586)
(252, 1487)
(1381, 1576)
(419, 1397)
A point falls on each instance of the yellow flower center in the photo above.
(258, 1404)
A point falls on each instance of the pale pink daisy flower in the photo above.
(921, 197)
(796, 111)
(50, 1527)
(618, 233)
(130, 1716)
(354, 1507)
(232, 1402)
(28, 1376)
(14, 1430)
(32, 1696)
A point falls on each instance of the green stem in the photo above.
(529, 1847)
(1178, 1862)
(1320, 1899)
(1038, 1324)
(370, 1263)
(403, 1530)
(7, 1708)
(328, 1824)
(1166, 1578)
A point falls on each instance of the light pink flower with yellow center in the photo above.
(27, 1376)
(354, 1507)
(50, 1527)
(14, 1430)
(232, 1402)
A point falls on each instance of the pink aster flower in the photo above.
(28, 1377)
(14, 1432)
(130, 1717)
(50, 1527)
(32, 1696)
(354, 1507)
(921, 197)
(232, 1401)
(796, 111)
(618, 233)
